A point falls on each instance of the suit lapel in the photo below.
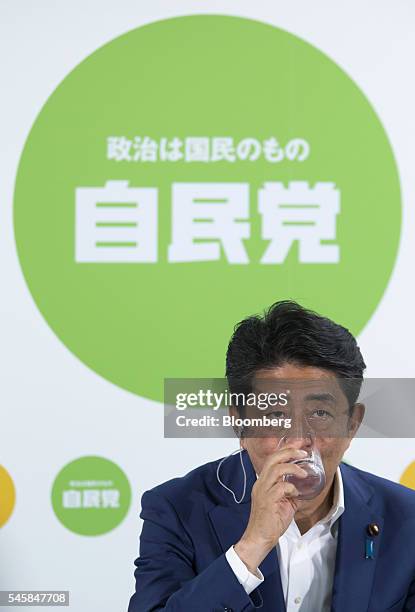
(354, 573)
(229, 521)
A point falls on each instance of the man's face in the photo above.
(314, 394)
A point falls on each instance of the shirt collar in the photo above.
(337, 508)
(338, 497)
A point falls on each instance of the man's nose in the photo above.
(300, 428)
(299, 435)
(303, 442)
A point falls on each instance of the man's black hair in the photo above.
(289, 333)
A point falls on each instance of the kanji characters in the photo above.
(299, 213)
(209, 221)
(212, 214)
(116, 223)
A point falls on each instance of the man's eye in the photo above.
(277, 414)
(320, 413)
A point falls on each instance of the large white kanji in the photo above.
(116, 224)
(303, 213)
(91, 498)
(214, 214)
(71, 498)
(110, 498)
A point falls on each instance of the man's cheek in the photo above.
(331, 450)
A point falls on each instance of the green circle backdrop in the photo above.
(81, 475)
(135, 324)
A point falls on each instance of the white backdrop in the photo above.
(54, 409)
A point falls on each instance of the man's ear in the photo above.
(356, 418)
(238, 430)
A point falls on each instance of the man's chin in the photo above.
(303, 504)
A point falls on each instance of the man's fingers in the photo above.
(276, 472)
(262, 487)
(285, 489)
(282, 456)
(282, 470)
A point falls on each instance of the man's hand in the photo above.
(273, 505)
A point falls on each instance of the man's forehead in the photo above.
(292, 371)
(305, 387)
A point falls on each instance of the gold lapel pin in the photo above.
(373, 529)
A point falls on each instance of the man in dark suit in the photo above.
(234, 535)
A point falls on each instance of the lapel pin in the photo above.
(372, 530)
(369, 549)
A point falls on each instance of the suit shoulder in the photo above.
(393, 493)
(197, 481)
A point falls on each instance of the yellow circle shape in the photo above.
(7, 495)
(408, 476)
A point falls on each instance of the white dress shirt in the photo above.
(306, 561)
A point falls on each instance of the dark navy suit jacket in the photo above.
(190, 522)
